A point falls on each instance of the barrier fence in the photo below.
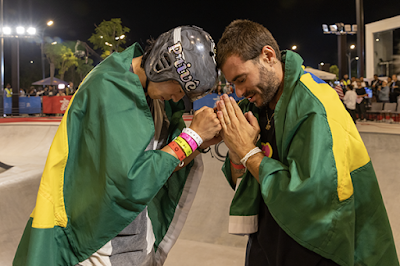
(58, 104)
(35, 104)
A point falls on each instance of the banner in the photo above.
(7, 105)
(30, 105)
(55, 104)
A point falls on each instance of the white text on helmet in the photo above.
(182, 67)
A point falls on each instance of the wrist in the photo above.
(251, 153)
(193, 134)
(242, 152)
(237, 165)
(203, 146)
(234, 158)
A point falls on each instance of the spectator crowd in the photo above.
(358, 94)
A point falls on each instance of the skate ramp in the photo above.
(384, 150)
(23, 152)
(204, 239)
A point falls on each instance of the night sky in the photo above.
(291, 22)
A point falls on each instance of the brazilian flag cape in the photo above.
(98, 176)
(323, 190)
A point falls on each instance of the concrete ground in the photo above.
(204, 239)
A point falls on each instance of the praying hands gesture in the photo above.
(239, 132)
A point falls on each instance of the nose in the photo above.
(178, 96)
(239, 91)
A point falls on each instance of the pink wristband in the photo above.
(189, 140)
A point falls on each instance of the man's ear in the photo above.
(268, 55)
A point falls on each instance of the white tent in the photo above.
(321, 74)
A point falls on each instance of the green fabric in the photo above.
(109, 177)
(300, 189)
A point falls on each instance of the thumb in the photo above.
(251, 118)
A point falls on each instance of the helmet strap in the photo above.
(147, 84)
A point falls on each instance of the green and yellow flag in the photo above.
(323, 191)
(98, 176)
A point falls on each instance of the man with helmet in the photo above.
(121, 174)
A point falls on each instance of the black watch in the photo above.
(204, 150)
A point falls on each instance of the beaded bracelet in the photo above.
(189, 140)
(184, 145)
(178, 150)
(194, 135)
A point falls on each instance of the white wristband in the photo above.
(249, 154)
(194, 135)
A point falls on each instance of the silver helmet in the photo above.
(185, 54)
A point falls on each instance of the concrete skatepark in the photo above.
(204, 239)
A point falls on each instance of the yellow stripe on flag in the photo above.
(345, 137)
(50, 209)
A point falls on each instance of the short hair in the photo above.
(245, 39)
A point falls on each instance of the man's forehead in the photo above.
(234, 66)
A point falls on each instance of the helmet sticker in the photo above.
(182, 67)
(213, 49)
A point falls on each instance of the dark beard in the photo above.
(268, 85)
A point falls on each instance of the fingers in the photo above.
(251, 118)
(230, 111)
(201, 110)
(238, 111)
(232, 108)
(223, 115)
(206, 123)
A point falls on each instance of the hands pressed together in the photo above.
(239, 131)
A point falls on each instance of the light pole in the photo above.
(352, 47)
(2, 60)
(15, 34)
(49, 24)
(341, 30)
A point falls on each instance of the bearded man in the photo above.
(306, 191)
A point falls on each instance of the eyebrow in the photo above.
(238, 76)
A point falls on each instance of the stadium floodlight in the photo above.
(325, 28)
(20, 30)
(7, 30)
(340, 26)
(31, 31)
(354, 27)
(333, 28)
(347, 28)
